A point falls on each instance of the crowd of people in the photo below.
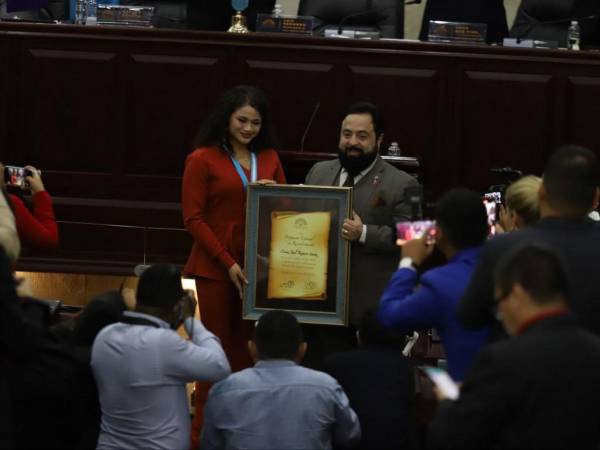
(518, 314)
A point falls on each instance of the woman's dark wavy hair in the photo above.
(214, 130)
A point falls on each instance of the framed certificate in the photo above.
(296, 258)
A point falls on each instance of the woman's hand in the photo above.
(35, 180)
(266, 181)
(238, 278)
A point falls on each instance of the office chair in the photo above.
(385, 16)
(548, 20)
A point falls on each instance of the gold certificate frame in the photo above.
(296, 258)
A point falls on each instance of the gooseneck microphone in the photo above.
(414, 196)
(310, 121)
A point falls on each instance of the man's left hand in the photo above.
(418, 250)
(352, 228)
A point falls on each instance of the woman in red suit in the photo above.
(37, 230)
(233, 149)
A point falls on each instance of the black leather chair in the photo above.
(549, 20)
(385, 16)
(216, 14)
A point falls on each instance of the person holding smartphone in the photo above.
(141, 366)
(37, 229)
(522, 204)
(234, 147)
(415, 302)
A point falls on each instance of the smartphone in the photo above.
(16, 176)
(407, 231)
(442, 381)
(492, 202)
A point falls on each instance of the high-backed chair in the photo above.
(216, 14)
(385, 16)
(549, 20)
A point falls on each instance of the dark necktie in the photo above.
(349, 181)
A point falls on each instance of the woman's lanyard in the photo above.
(242, 174)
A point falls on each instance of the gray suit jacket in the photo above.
(378, 198)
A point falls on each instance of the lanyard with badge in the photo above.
(242, 174)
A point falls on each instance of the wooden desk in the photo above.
(110, 113)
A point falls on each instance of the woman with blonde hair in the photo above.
(522, 206)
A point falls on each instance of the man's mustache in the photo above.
(354, 148)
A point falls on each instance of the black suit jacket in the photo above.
(536, 391)
(578, 244)
(380, 385)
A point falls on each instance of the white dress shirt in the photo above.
(357, 178)
(141, 372)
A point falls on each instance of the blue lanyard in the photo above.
(240, 170)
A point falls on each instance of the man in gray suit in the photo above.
(378, 200)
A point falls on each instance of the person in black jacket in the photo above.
(490, 12)
(538, 389)
(569, 191)
(378, 379)
(20, 342)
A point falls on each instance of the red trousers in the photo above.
(221, 312)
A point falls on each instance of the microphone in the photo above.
(414, 195)
(310, 121)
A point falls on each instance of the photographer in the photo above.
(9, 239)
(37, 230)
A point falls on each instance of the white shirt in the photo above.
(357, 178)
(141, 372)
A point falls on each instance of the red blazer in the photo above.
(214, 208)
(39, 229)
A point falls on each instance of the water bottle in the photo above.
(91, 18)
(277, 10)
(394, 149)
(80, 12)
(574, 35)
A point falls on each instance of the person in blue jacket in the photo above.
(428, 301)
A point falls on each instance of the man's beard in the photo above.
(356, 164)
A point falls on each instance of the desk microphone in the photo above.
(310, 121)
(371, 11)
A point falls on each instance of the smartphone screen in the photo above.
(442, 381)
(15, 176)
(492, 202)
(407, 231)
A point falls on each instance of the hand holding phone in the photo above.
(189, 305)
(34, 180)
(446, 386)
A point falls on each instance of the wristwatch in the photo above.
(407, 263)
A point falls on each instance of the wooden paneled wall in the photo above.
(109, 115)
